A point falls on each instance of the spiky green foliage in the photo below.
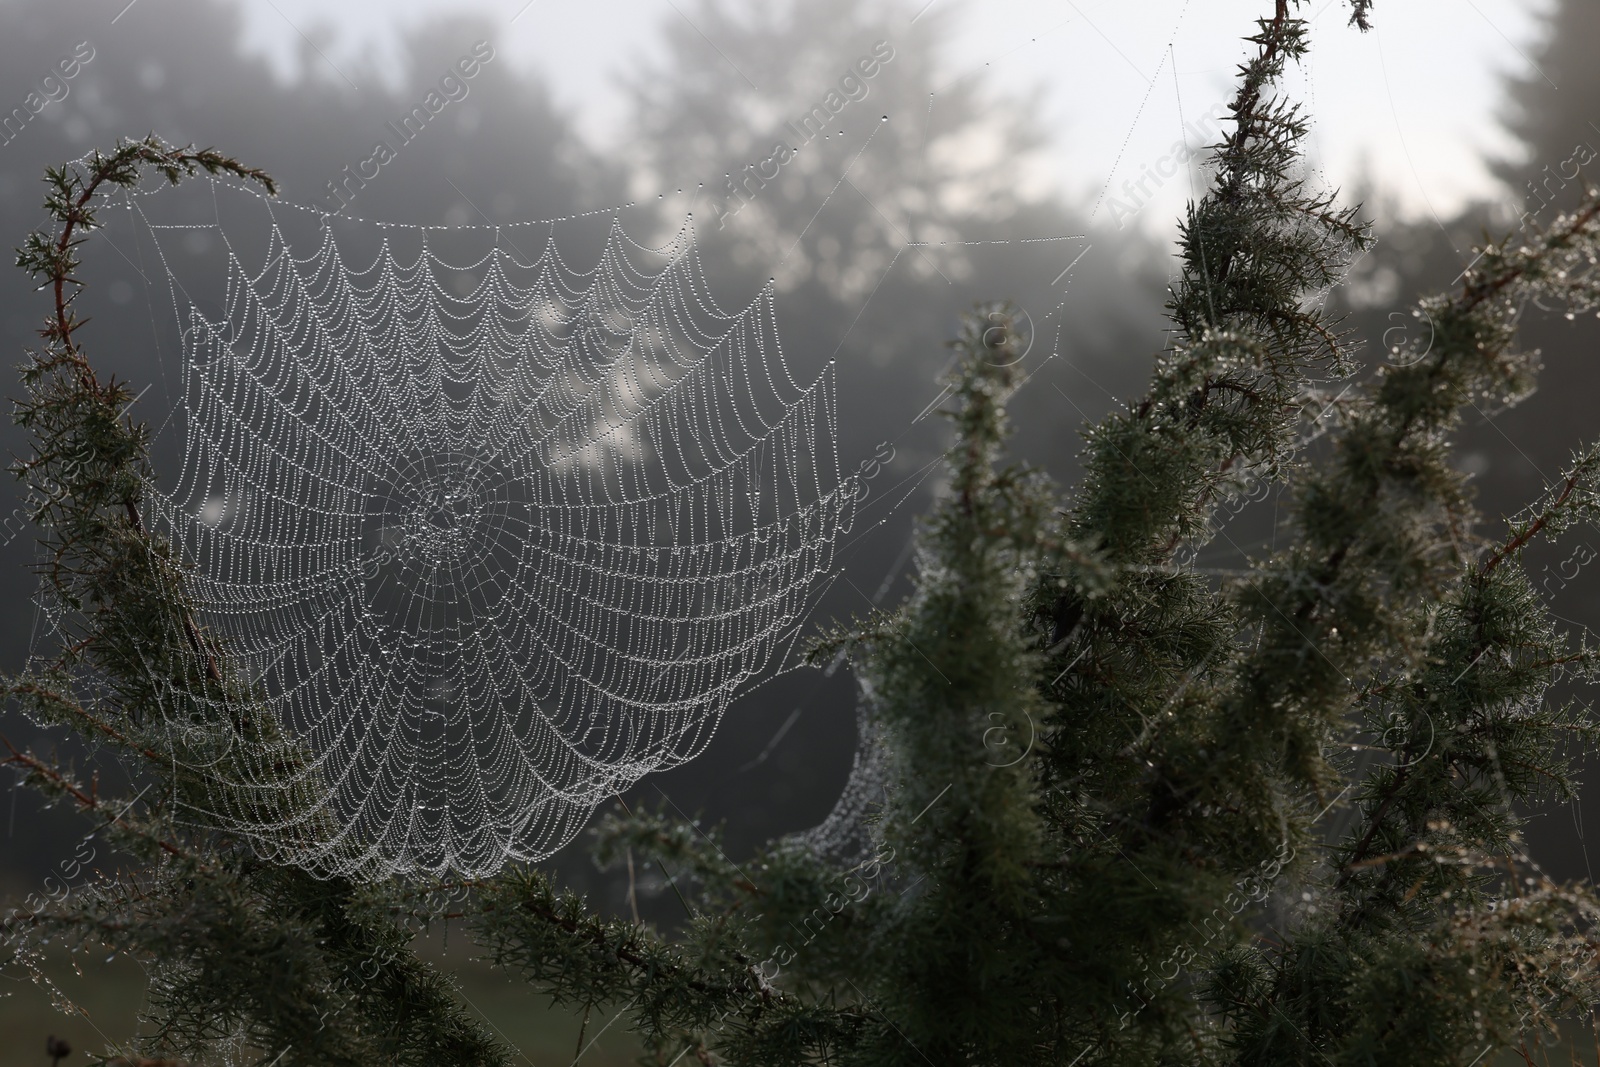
(1173, 738)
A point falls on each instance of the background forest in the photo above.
(780, 759)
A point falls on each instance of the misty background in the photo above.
(997, 154)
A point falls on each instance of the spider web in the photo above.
(492, 536)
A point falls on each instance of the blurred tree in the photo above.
(918, 153)
(1553, 109)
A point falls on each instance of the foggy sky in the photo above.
(1413, 101)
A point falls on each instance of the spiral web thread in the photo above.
(489, 557)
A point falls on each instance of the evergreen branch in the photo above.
(1559, 501)
(1582, 472)
(91, 724)
(53, 779)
